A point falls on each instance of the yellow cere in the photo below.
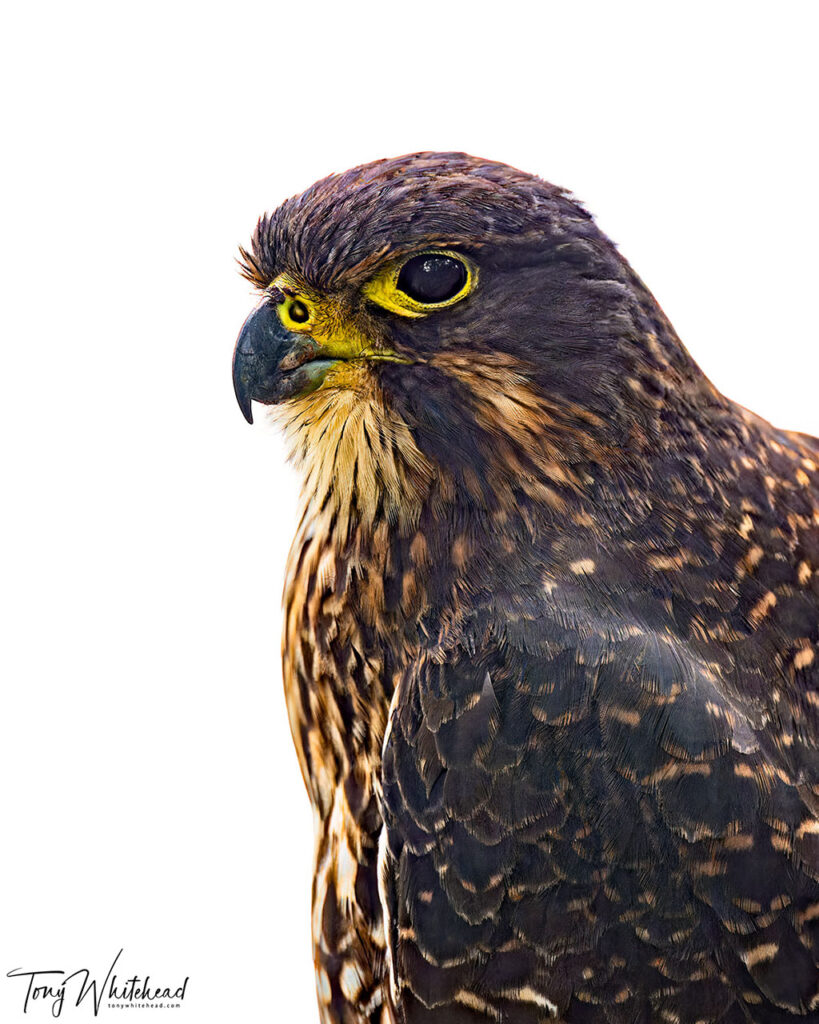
(306, 312)
(383, 288)
(327, 322)
(296, 314)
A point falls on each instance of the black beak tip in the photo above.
(247, 411)
(242, 391)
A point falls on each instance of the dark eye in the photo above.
(432, 277)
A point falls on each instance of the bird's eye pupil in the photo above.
(299, 313)
(432, 277)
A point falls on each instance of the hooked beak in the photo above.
(272, 364)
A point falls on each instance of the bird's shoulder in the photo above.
(582, 792)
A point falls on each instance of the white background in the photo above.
(151, 797)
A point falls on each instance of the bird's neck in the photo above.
(407, 495)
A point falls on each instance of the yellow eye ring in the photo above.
(455, 273)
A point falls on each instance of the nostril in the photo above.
(298, 312)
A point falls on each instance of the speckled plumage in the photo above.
(573, 593)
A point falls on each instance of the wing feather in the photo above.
(583, 822)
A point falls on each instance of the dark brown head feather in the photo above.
(338, 227)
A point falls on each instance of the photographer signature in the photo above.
(52, 986)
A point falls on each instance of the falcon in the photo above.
(550, 622)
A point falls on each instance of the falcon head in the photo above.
(453, 316)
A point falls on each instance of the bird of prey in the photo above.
(551, 619)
